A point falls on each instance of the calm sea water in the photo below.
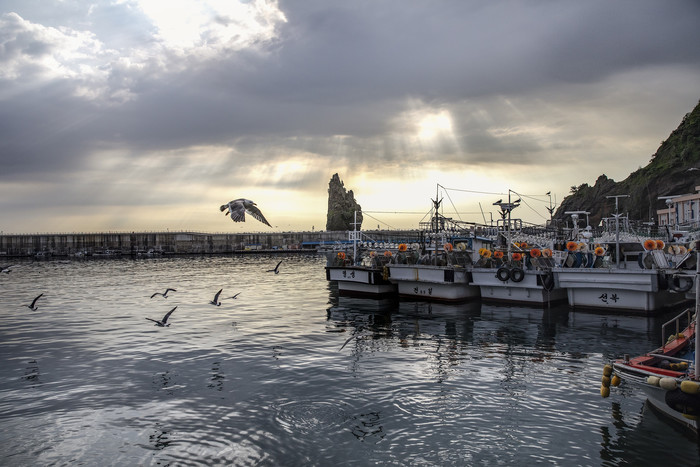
(262, 379)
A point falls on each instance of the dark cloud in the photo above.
(334, 83)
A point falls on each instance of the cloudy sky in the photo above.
(149, 114)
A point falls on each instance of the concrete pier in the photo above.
(140, 243)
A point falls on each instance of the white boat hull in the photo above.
(426, 282)
(615, 289)
(529, 290)
(360, 281)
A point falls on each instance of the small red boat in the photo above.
(668, 375)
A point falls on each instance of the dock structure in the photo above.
(143, 243)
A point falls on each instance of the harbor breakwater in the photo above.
(145, 243)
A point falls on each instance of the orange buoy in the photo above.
(650, 244)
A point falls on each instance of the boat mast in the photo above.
(697, 311)
(355, 235)
(617, 228)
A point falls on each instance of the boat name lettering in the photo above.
(418, 291)
(613, 297)
(352, 274)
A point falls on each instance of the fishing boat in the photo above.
(515, 270)
(360, 274)
(439, 268)
(617, 271)
(668, 375)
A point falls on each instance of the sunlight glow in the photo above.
(212, 24)
(434, 125)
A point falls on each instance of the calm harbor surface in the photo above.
(263, 380)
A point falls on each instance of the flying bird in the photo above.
(228, 298)
(6, 269)
(164, 322)
(276, 270)
(164, 294)
(238, 207)
(33, 306)
(216, 298)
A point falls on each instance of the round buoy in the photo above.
(668, 384)
(604, 391)
(690, 387)
(605, 381)
(615, 381)
(607, 370)
(653, 380)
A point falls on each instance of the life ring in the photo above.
(535, 253)
(503, 274)
(660, 244)
(675, 284)
(403, 247)
(341, 255)
(447, 246)
(517, 274)
(547, 253)
(571, 246)
(498, 254)
(461, 246)
(548, 281)
(650, 244)
(517, 256)
(599, 251)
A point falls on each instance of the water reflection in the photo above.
(263, 379)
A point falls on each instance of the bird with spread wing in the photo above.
(238, 207)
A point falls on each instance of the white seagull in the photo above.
(164, 294)
(6, 269)
(164, 322)
(216, 298)
(238, 207)
(33, 306)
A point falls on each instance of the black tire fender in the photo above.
(503, 274)
(675, 284)
(517, 274)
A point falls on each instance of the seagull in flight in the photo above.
(33, 306)
(238, 207)
(276, 270)
(6, 269)
(229, 298)
(216, 298)
(164, 294)
(164, 322)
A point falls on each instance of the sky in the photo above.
(147, 115)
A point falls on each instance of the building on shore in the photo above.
(683, 211)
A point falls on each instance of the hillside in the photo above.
(666, 174)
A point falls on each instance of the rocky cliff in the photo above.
(341, 207)
(673, 170)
